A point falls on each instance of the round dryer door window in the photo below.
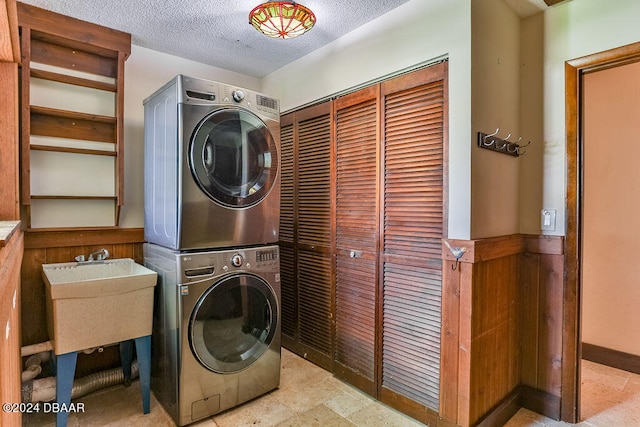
(233, 157)
(233, 323)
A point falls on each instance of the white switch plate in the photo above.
(548, 220)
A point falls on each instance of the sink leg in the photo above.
(126, 354)
(65, 372)
(143, 350)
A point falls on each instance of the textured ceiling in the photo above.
(218, 33)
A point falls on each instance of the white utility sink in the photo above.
(97, 303)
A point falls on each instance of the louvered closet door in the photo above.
(288, 282)
(356, 237)
(413, 133)
(306, 229)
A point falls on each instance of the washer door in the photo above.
(233, 157)
(233, 323)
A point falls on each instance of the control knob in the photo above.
(237, 260)
(237, 95)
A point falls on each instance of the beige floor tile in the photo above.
(207, 422)
(610, 398)
(603, 376)
(263, 411)
(345, 404)
(381, 415)
(526, 418)
(310, 396)
(112, 406)
(320, 416)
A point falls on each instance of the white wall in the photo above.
(495, 86)
(531, 122)
(572, 30)
(414, 33)
(145, 72)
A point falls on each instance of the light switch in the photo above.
(548, 220)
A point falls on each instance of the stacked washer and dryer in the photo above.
(212, 205)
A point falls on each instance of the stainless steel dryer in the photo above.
(216, 338)
(211, 166)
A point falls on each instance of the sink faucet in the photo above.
(102, 254)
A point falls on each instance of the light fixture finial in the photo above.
(282, 19)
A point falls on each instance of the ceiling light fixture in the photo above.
(282, 19)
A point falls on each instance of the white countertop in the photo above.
(7, 228)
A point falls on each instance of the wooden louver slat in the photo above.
(287, 174)
(356, 229)
(314, 293)
(288, 294)
(314, 181)
(413, 200)
(305, 225)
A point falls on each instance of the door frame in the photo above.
(571, 339)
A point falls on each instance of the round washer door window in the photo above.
(233, 157)
(233, 323)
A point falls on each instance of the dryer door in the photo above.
(233, 157)
(233, 323)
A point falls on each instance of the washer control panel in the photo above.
(203, 265)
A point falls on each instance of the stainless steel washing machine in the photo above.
(216, 338)
(211, 166)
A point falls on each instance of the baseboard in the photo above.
(540, 402)
(522, 396)
(503, 411)
(614, 358)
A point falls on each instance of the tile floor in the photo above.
(310, 396)
(610, 398)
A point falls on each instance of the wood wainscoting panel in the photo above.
(11, 251)
(501, 328)
(494, 334)
(541, 308)
(450, 337)
(550, 324)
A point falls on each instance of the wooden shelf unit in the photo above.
(61, 49)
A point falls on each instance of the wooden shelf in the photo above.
(73, 125)
(71, 80)
(52, 197)
(58, 48)
(73, 150)
(74, 115)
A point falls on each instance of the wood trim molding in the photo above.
(68, 28)
(503, 412)
(9, 58)
(9, 46)
(69, 238)
(614, 358)
(480, 250)
(540, 402)
(522, 397)
(571, 350)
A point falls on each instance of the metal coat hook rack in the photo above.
(501, 145)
